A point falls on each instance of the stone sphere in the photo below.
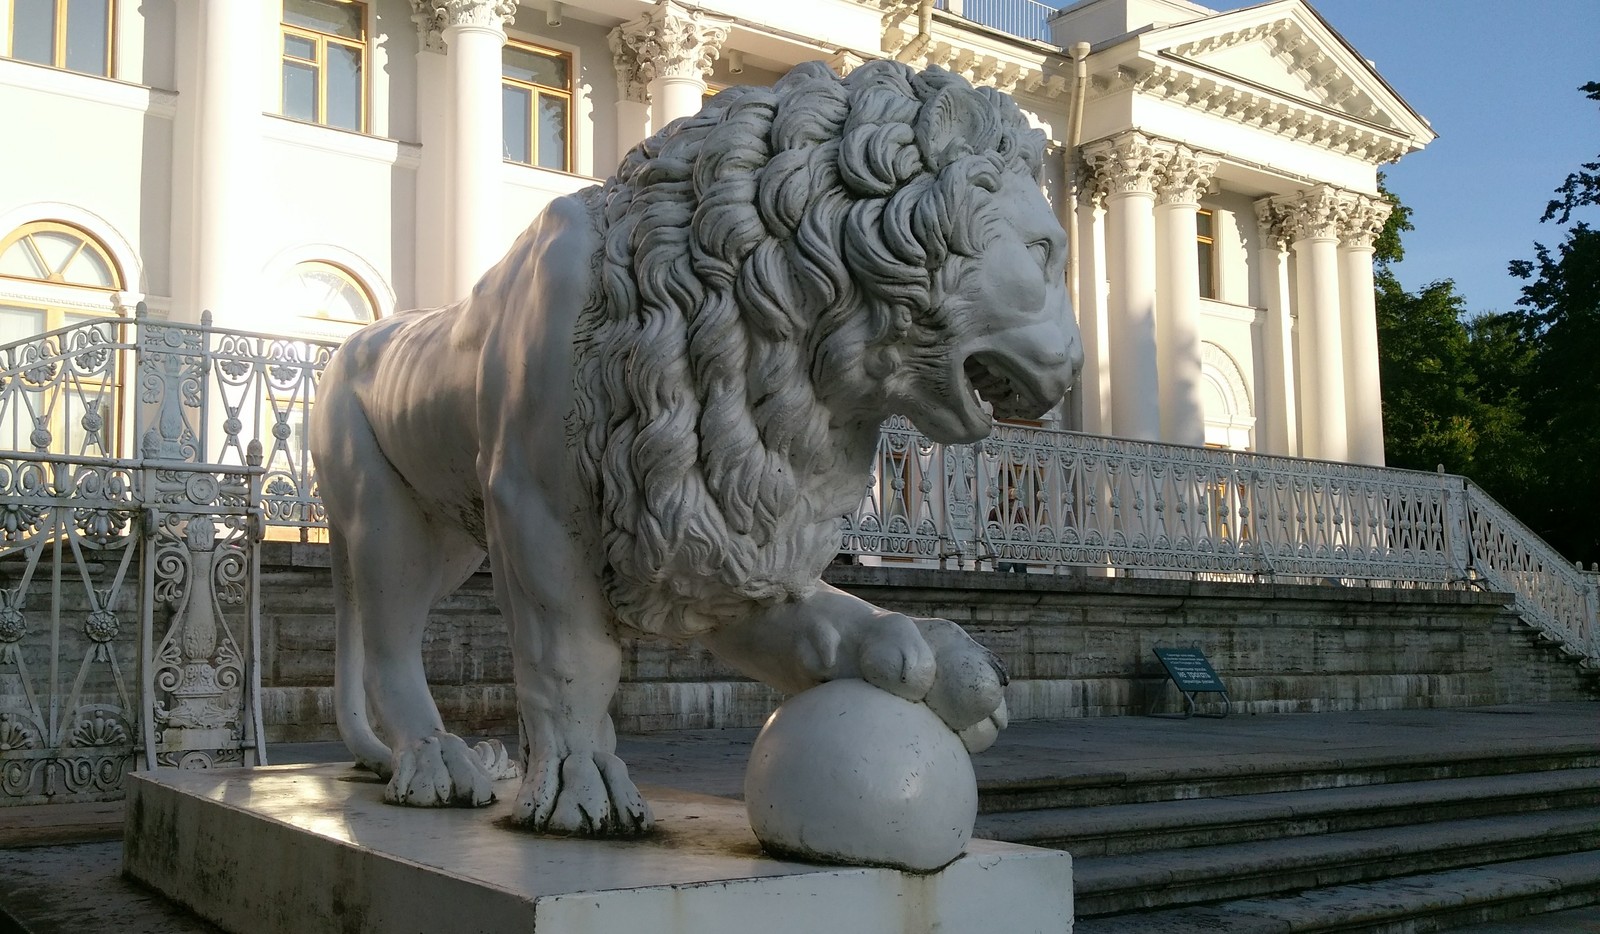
(848, 773)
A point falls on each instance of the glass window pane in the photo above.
(335, 19)
(88, 268)
(300, 92)
(21, 259)
(18, 324)
(33, 31)
(552, 132)
(536, 67)
(1208, 280)
(515, 113)
(299, 47)
(56, 248)
(88, 36)
(318, 290)
(344, 86)
(1202, 223)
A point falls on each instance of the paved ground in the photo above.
(60, 866)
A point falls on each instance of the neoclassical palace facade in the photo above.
(302, 166)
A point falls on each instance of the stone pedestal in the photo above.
(314, 848)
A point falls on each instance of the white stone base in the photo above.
(314, 848)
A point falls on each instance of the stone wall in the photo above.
(1075, 646)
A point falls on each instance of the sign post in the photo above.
(1193, 675)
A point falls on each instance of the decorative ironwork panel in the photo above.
(217, 390)
(60, 391)
(1557, 597)
(69, 628)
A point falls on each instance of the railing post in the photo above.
(1457, 520)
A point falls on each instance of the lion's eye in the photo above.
(1040, 250)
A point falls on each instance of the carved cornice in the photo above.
(671, 41)
(845, 61)
(1314, 214)
(1003, 68)
(1356, 135)
(433, 17)
(1187, 173)
(1362, 220)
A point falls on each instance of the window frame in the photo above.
(350, 278)
(321, 40)
(536, 91)
(1206, 248)
(58, 299)
(58, 50)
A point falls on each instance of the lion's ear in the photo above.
(955, 122)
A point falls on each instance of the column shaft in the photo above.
(1178, 324)
(1095, 378)
(1364, 402)
(432, 281)
(1131, 314)
(477, 153)
(1323, 354)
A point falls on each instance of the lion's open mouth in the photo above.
(1010, 395)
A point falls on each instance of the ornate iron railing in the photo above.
(146, 460)
(129, 615)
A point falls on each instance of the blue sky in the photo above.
(1498, 80)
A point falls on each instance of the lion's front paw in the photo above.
(496, 760)
(587, 794)
(893, 655)
(968, 683)
(438, 771)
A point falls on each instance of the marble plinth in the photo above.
(314, 848)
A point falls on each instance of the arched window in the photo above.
(53, 275)
(1225, 399)
(326, 292)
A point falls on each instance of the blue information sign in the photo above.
(1193, 675)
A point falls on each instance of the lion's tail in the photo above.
(349, 671)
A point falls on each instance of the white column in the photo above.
(474, 33)
(1360, 225)
(675, 47)
(1314, 219)
(1277, 405)
(1128, 167)
(1095, 378)
(633, 93)
(216, 262)
(433, 261)
(1178, 296)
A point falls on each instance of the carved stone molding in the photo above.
(845, 61)
(1131, 163)
(1186, 175)
(1362, 220)
(1312, 214)
(631, 83)
(433, 17)
(1274, 224)
(670, 41)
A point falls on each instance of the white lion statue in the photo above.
(655, 410)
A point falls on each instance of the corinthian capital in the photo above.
(1362, 220)
(631, 82)
(433, 17)
(1312, 214)
(1273, 221)
(670, 41)
(1131, 163)
(1187, 173)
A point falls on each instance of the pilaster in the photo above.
(633, 91)
(1278, 404)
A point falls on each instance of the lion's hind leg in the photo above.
(392, 564)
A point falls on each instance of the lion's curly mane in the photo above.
(767, 264)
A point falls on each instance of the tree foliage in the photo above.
(1510, 399)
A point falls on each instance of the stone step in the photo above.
(1116, 884)
(1271, 774)
(1414, 904)
(1120, 829)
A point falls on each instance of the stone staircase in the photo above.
(1393, 842)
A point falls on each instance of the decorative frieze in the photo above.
(433, 17)
(670, 41)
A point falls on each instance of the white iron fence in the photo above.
(141, 462)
